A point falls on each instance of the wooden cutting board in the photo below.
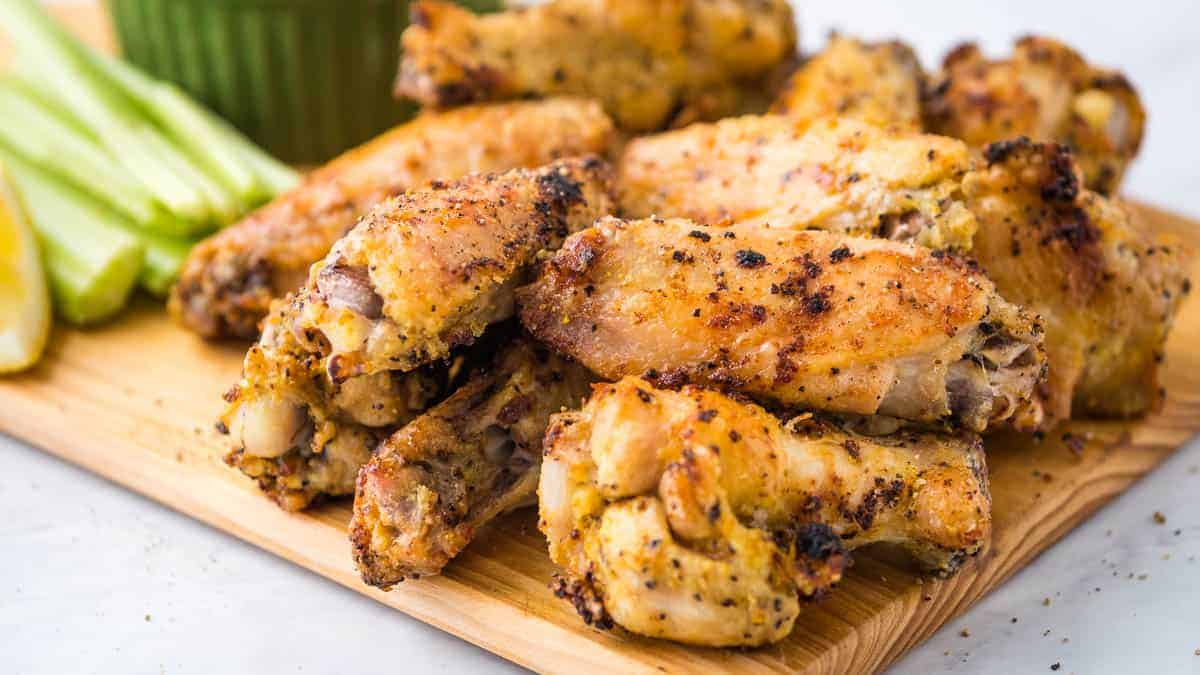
(135, 402)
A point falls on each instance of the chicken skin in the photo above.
(430, 270)
(1106, 290)
(432, 485)
(690, 516)
(877, 83)
(302, 436)
(229, 279)
(832, 174)
(1045, 91)
(648, 63)
(800, 318)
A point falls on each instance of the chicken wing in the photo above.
(230, 278)
(432, 485)
(691, 516)
(802, 318)
(1106, 290)
(444, 262)
(832, 174)
(1046, 91)
(646, 62)
(1046, 242)
(433, 268)
(302, 436)
(878, 83)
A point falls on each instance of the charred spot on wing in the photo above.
(818, 303)
(1075, 229)
(586, 600)
(559, 192)
(950, 565)
(1000, 151)
(750, 259)
(886, 494)
(785, 366)
(795, 283)
(820, 558)
(670, 379)
(818, 542)
(1063, 183)
(455, 93)
(839, 254)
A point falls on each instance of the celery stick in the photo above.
(186, 122)
(207, 133)
(125, 143)
(35, 92)
(125, 140)
(225, 206)
(275, 176)
(91, 263)
(29, 129)
(48, 53)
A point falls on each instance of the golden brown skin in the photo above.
(832, 174)
(646, 62)
(1107, 290)
(432, 485)
(431, 269)
(878, 83)
(802, 318)
(694, 517)
(1045, 91)
(230, 278)
(301, 435)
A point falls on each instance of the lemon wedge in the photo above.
(24, 300)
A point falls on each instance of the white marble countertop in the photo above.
(96, 579)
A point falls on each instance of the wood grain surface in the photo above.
(135, 401)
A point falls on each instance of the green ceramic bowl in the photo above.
(306, 79)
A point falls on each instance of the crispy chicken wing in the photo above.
(230, 278)
(1046, 242)
(832, 174)
(1046, 91)
(691, 516)
(802, 318)
(646, 62)
(301, 435)
(431, 269)
(878, 83)
(1106, 290)
(433, 484)
(444, 262)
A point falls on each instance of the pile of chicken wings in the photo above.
(723, 314)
